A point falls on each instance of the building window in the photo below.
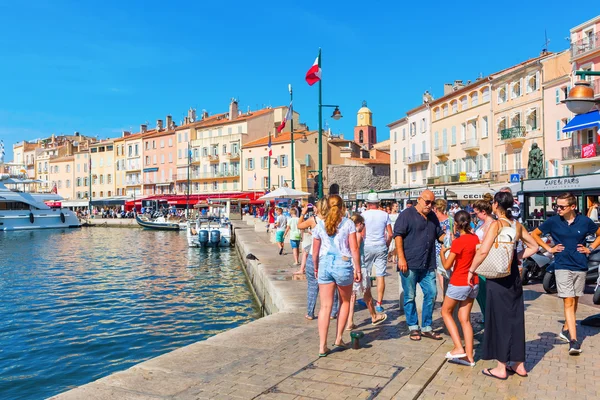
(485, 94)
(445, 110)
(224, 149)
(502, 94)
(532, 120)
(503, 162)
(558, 130)
(395, 177)
(404, 175)
(532, 83)
(395, 136)
(437, 113)
(454, 105)
(517, 160)
(403, 133)
(215, 185)
(162, 158)
(423, 125)
(515, 120)
(395, 156)
(224, 185)
(265, 182)
(474, 99)
(484, 127)
(463, 103)
(360, 136)
(436, 140)
(453, 136)
(250, 163)
(283, 161)
(516, 90)
(463, 132)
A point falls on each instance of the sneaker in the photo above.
(564, 336)
(361, 303)
(379, 308)
(574, 348)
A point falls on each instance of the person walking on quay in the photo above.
(295, 235)
(443, 274)
(337, 263)
(362, 288)
(415, 233)
(483, 211)
(569, 230)
(280, 225)
(460, 292)
(309, 223)
(504, 335)
(393, 217)
(377, 240)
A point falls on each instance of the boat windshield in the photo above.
(13, 205)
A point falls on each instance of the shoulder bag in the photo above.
(498, 262)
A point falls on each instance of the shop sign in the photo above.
(462, 177)
(469, 196)
(588, 151)
(438, 192)
(360, 196)
(352, 196)
(402, 194)
(563, 183)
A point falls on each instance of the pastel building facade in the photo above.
(416, 145)
(103, 169)
(517, 112)
(62, 176)
(159, 161)
(398, 171)
(462, 143)
(583, 151)
(556, 83)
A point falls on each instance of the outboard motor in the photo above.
(215, 237)
(203, 237)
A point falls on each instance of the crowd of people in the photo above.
(439, 247)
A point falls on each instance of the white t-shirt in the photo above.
(376, 222)
(346, 228)
(281, 223)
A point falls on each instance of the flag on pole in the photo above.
(314, 73)
(2, 153)
(255, 176)
(55, 189)
(288, 115)
(270, 150)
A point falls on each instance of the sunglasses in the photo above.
(428, 202)
(559, 207)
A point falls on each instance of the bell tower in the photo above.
(365, 134)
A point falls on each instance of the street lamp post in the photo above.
(269, 177)
(581, 96)
(293, 164)
(336, 116)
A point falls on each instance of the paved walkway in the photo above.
(275, 357)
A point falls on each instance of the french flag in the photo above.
(270, 150)
(288, 115)
(314, 73)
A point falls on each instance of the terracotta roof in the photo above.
(281, 138)
(381, 157)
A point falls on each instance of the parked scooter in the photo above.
(597, 292)
(549, 281)
(535, 266)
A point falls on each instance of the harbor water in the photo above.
(77, 305)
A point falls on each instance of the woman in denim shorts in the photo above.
(336, 259)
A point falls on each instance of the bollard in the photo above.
(356, 336)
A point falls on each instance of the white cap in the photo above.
(372, 198)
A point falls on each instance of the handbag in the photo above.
(498, 261)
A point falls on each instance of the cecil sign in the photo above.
(439, 192)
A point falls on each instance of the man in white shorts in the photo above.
(569, 230)
(377, 240)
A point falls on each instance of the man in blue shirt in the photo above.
(568, 230)
(415, 233)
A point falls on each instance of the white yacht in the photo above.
(22, 211)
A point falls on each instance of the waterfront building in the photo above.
(398, 132)
(415, 145)
(24, 154)
(583, 151)
(216, 143)
(102, 169)
(160, 159)
(461, 142)
(81, 173)
(134, 186)
(517, 112)
(256, 160)
(62, 176)
(556, 83)
(120, 158)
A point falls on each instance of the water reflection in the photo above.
(76, 305)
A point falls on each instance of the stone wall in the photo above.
(357, 178)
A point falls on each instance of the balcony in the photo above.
(213, 158)
(195, 176)
(233, 156)
(441, 151)
(516, 134)
(581, 154)
(417, 159)
(133, 182)
(471, 145)
(585, 46)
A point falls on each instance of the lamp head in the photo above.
(581, 98)
(275, 162)
(304, 138)
(336, 114)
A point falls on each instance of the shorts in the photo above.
(570, 283)
(295, 244)
(279, 236)
(460, 293)
(359, 288)
(336, 269)
(376, 257)
(440, 268)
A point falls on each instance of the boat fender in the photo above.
(62, 217)
(31, 217)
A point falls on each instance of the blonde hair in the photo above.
(357, 219)
(440, 205)
(489, 198)
(334, 215)
(323, 207)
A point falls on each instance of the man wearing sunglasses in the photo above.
(569, 230)
(415, 233)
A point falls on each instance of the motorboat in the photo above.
(28, 211)
(209, 230)
(160, 223)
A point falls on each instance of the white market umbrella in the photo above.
(284, 193)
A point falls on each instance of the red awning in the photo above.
(54, 204)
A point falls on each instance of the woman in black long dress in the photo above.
(504, 335)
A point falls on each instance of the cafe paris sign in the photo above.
(562, 183)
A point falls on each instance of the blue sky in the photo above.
(103, 67)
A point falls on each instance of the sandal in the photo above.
(488, 372)
(341, 345)
(431, 335)
(327, 351)
(415, 335)
(309, 317)
(510, 370)
(379, 320)
(349, 328)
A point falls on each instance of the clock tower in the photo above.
(365, 134)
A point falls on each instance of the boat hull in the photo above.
(161, 226)
(23, 220)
